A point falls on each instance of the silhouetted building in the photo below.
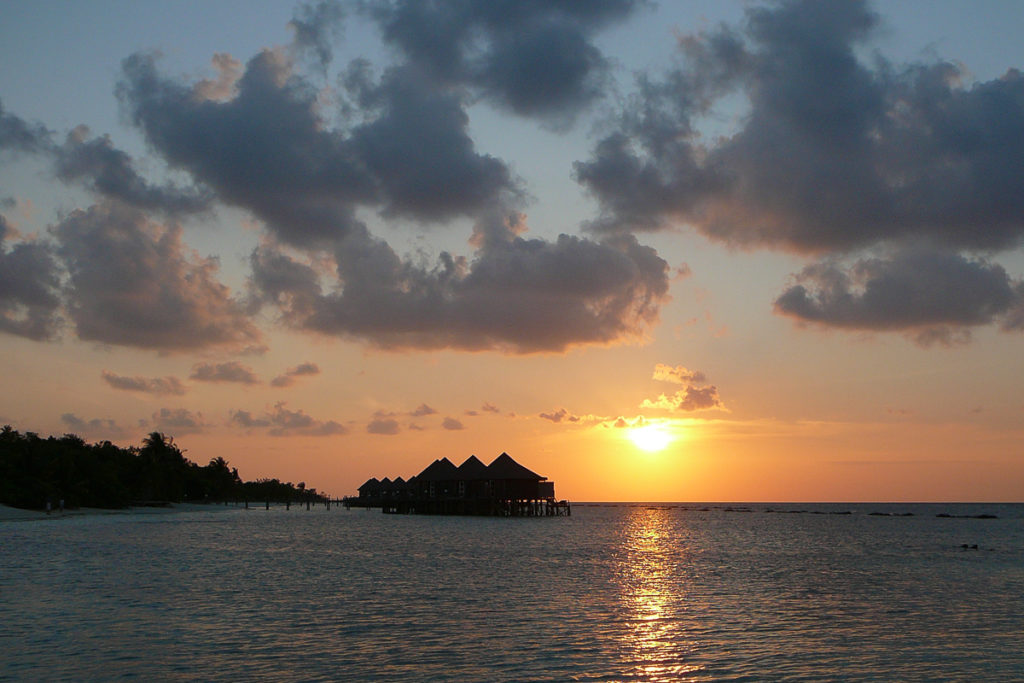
(503, 488)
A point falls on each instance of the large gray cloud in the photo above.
(933, 293)
(29, 287)
(535, 58)
(110, 172)
(267, 149)
(517, 294)
(834, 153)
(133, 283)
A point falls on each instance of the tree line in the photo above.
(35, 472)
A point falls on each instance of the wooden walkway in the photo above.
(484, 507)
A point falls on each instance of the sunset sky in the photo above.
(655, 251)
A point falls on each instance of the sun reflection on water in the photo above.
(653, 593)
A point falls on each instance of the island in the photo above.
(58, 473)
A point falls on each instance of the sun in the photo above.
(651, 437)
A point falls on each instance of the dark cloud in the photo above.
(406, 152)
(160, 386)
(386, 426)
(29, 287)
(451, 424)
(417, 146)
(134, 283)
(517, 295)
(246, 420)
(688, 399)
(288, 377)
(423, 410)
(18, 135)
(268, 150)
(677, 375)
(560, 415)
(231, 371)
(316, 27)
(490, 408)
(104, 428)
(284, 422)
(925, 290)
(533, 58)
(835, 153)
(110, 172)
(178, 421)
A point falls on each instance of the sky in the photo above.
(701, 251)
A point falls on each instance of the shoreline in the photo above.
(10, 514)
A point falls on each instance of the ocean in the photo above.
(639, 592)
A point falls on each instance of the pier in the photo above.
(502, 489)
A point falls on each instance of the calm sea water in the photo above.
(645, 593)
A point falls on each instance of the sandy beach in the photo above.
(9, 514)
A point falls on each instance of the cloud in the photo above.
(934, 294)
(283, 422)
(560, 415)
(517, 295)
(488, 407)
(835, 152)
(268, 150)
(405, 152)
(96, 427)
(417, 146)
(301, 370)
(423, 410)
(132, 282)
(109, 172)
(451, 424)
(535, 59)
(178, 421)
(18, 135)
(688, 400)
(383, 426)
(315, 27)
(160, 386)
(677, 374)
(29, 287)
(232, 371)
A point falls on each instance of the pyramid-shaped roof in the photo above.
(439, 470)
(504, 467)
(472, 469)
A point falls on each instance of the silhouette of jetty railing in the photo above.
(503, 489)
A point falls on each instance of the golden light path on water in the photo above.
(652, 591)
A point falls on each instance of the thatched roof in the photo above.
(472, 470)
(439, 470)
(504, 467)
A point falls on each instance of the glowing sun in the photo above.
(652, 437)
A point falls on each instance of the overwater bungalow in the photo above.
(502, 488)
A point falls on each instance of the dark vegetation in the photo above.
(34, 471)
